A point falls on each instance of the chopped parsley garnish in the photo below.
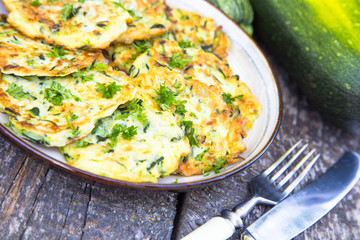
(190, 133)
(166, 97)
(74, 131)
(140, 46)
(56, 93)
(101, 67)
(125, 132)
(230, 100)
(57, 52)
(82, 77)
(7, 32)
(81, 143)
(18, 92)
(131, 12)
(67, 11)
(30, 62)
(179, 60)
(136, 109)
(176, 84)
(108, 91)
(73, 116)
(200, 156)
(81, 1)
(35, 3)
(185, 44)
(180, 107)
(216, 168)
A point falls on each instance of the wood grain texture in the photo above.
(300, 120)
(41, 202)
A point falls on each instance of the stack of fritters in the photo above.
(180, 109)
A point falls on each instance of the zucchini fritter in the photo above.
(72, 24)
(24, 56)
(212, 105)
(56, 111)
(138, 143)
(150, 20)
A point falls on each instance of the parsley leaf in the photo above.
(180, 107)
(166, 97)
(179, 60)
(119, 4)
(108, 91)
(200, 156)
(185, 44)
(57, 52)
(136, 109)
(56, 93)
(74, 131)
(18, 92)
(82, 77)
(216, 168)
(101, 67)
(81, 143)
(140, 46)
(190, 133)
(125, 132)
(67, 11)
(35, 3)
(73, 116)
(229, 99)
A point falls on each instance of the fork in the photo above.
(267, 189)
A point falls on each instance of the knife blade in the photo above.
(302, 209)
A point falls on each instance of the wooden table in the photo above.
(39, 201)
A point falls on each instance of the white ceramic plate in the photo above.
(248, 62)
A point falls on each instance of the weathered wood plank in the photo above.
(300, 120)
(41, 202)
(115, 213)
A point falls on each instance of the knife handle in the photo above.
(217, 228)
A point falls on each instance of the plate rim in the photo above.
(8, 134)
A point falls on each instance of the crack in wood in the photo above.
(66, 216)
(33, 205)
(86, 212)
(12, 182)
(178, 215)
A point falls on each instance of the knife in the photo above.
(297, 212)
(301, 210)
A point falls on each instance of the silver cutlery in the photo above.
(269, 188)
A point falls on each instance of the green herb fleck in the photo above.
(230, 100)
(35, 3)
(101, 67)
(179, 60)
(57, 52)
(74, 131)
(190, 133)
(200, 156)
(81, 143)
(140, 46)
(180, 107)
(185, 44)
(67, 11)
(108, 91)
(119, 4)
(166, 97)
(56, 93)
(73, 116)
(82, 77)
(18, 92)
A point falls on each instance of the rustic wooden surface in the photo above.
(38, 201)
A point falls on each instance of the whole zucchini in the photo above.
(239, 10)
(319, 44)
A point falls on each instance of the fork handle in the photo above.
(222, 227)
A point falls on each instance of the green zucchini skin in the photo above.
(239, 10)
(320, 49)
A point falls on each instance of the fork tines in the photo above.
(291, 173)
